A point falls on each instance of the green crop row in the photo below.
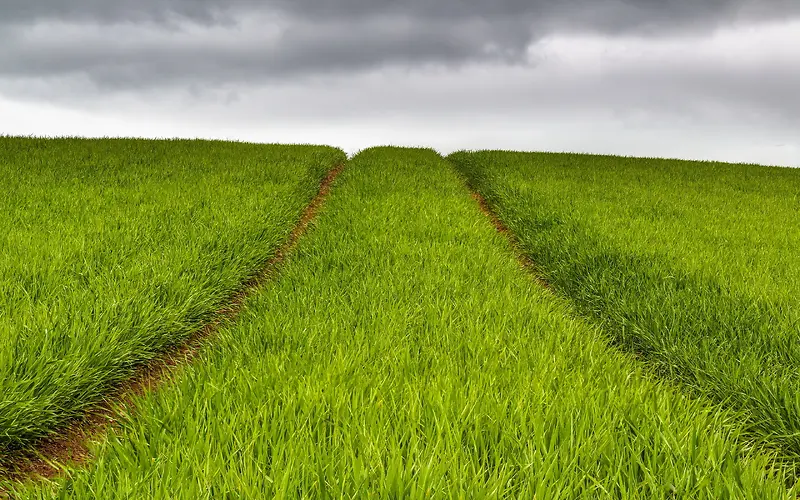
(403, 353)
(113, 250)
(693, 266)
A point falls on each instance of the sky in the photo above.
(696, 79)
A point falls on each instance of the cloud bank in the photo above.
(715, 79)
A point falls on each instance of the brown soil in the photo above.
(527, 264)
(70, 446)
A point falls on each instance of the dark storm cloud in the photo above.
(116, 43)
(125, 55)
(603, 14)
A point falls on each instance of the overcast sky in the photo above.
(704, 79)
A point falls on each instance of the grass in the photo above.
(691, 265)
(403, 353)
(114, 250)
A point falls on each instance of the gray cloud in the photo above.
(135, 56)
(122, 44)
(659, 112)
(693, 78)
(603, 14)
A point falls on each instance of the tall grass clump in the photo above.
(114, 250)
(693, 266)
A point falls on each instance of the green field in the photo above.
(116, 249)
(692, 266)
(402, 351)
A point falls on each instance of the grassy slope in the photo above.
(118, 248)
(403, 353)
(690, 264)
